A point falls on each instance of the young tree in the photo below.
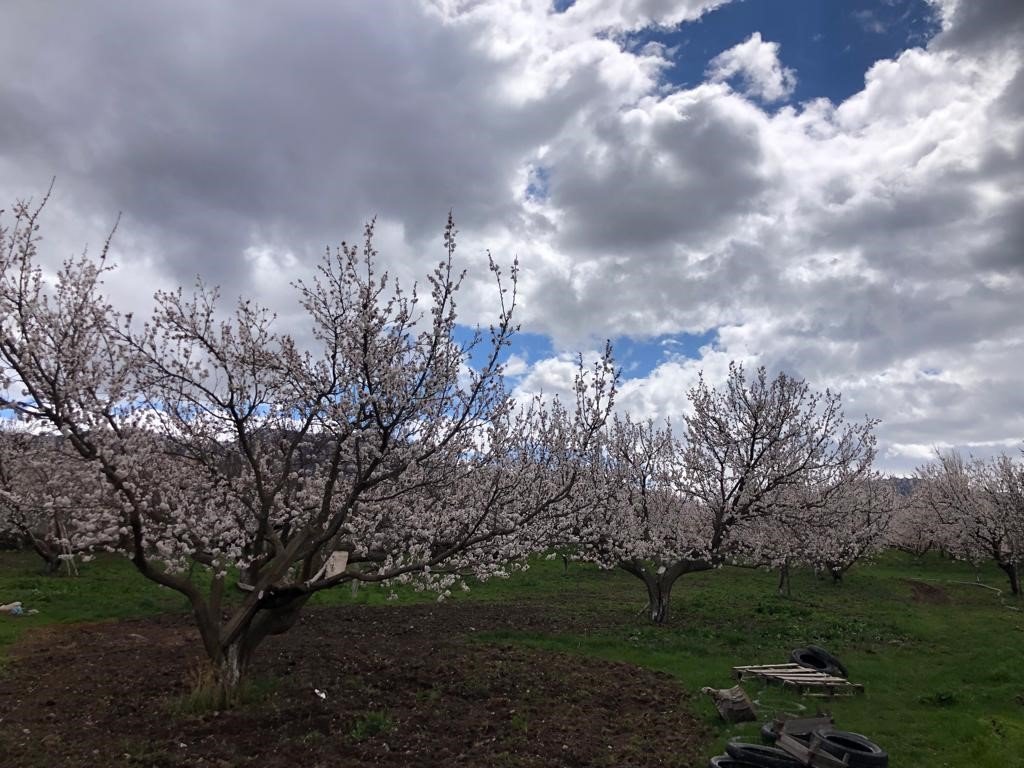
(44, 490)
(1001, 481)
(916, 529)
(749, 448)
(779, 542)
(379, 454)
(828, 531)
(854, 527)
(638, 519)
(982, 503)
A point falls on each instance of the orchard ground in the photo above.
(545, 669)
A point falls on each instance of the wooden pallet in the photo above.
(808, 681)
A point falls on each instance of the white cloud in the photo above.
(515, 366)
(873, 246)
(870, 22)
(626, 15)
(756, 63)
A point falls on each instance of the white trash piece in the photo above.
(336, 563)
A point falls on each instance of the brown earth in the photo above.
(923, 592)
(403, 686)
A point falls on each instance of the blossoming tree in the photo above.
(753, 449)
(638, 519)
(854, 526)
(378, 453)
(981, 505)
(916, 529)
(828, 530)
(43, 493)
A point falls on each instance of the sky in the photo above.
(831, 189)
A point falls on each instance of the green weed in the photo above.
(371, 724)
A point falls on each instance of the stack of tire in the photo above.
(740, 755)
(858, 751)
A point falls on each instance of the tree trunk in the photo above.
(1010, 569)
(228, 672)
(659, 582)
(42, 548)
(659, 598)
(784, 580)
(230, 656)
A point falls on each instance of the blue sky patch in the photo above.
(538, 186)
(829, 44)
(638, 357)
(529, 346)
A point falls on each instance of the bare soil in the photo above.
(923, 592)
(402, 686)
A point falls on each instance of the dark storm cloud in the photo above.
(677, 173)
(215, 126)
(979, 24)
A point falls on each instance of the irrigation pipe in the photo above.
(997, 590)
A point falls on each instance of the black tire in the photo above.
(724, 761)
(858, 750)
(843, 672)
(757, 754)
(806, 657)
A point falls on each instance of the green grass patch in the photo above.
(106, 588)
(204, 696)
(374, 723)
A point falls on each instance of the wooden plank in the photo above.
(795, 673)
(811, 681)
(809, 754)
(773, 666)
(810, 678)
(799, 676)
(834, 687)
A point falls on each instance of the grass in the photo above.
(939, 656)
(107, 589)
(203, 695)
(371, 724)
